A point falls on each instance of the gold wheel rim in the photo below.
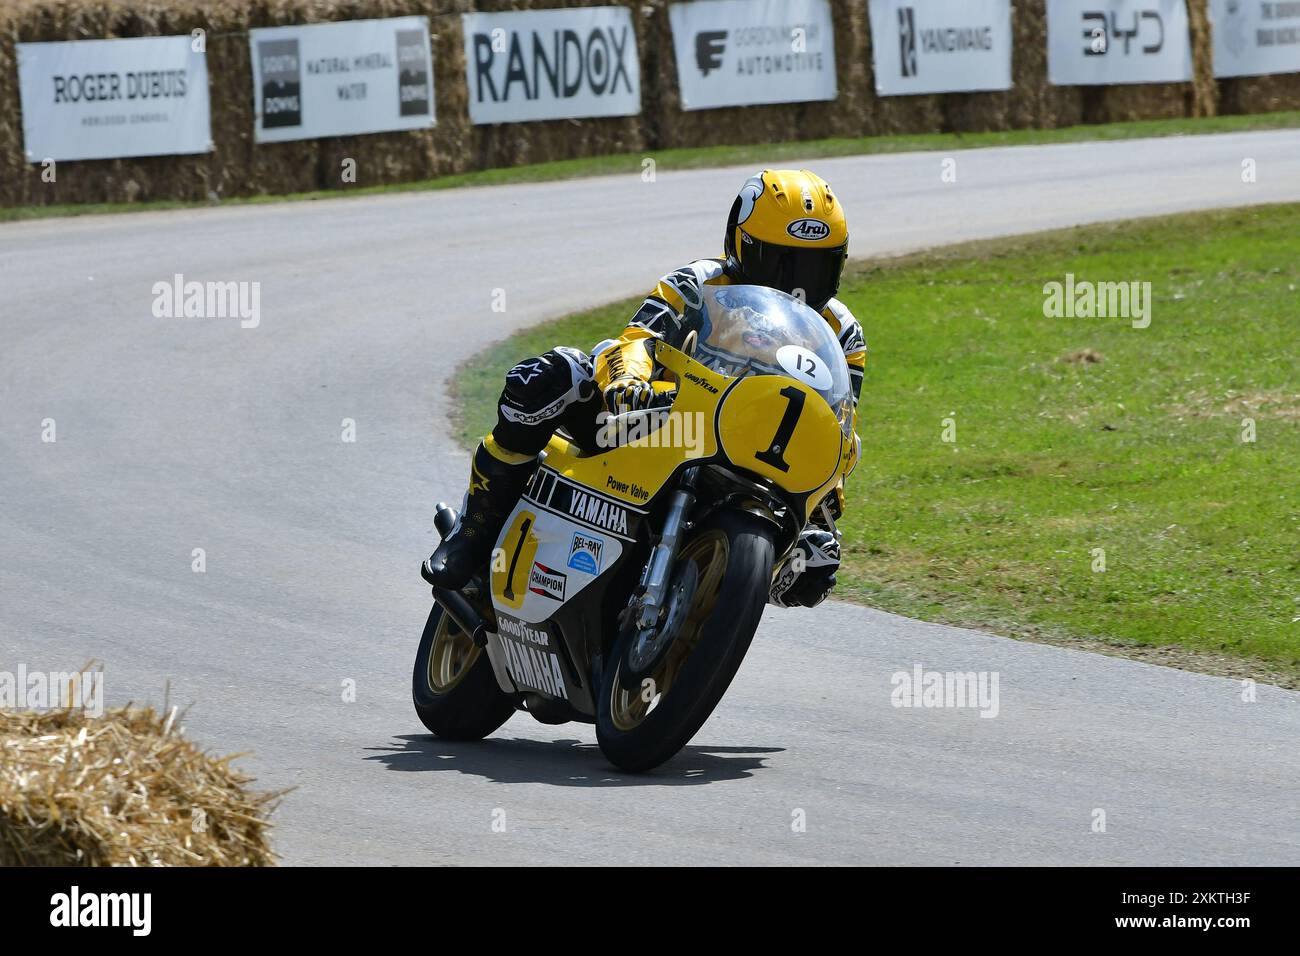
(710, 552)
(452, 655)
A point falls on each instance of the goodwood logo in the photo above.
(709, 47)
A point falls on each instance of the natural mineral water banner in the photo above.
(551, 64)
(1255, 37)
(341, 79)
(747, 52)
(1100, 42)
(104, 99)
(940, 46)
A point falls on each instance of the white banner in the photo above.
(341, 79)
(1102, 42)
(1255, 37)
(747, 52)
(551, 64)
(940, 46)
(103, 99)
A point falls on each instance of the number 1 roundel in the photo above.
(782, 430)
(512, 562)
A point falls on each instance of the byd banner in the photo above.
(104, 99)
(940, 46)
(747, 52)
(341, 79)
(1101, 42)
(551, 64)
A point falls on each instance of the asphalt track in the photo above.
(176, 434)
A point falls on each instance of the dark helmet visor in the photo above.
(810, 274)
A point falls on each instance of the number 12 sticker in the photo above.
(805, 365)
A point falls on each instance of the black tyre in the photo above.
(733, 552)
(453, 687)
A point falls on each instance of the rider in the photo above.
(786, 231)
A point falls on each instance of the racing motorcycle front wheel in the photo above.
(453, 688)
(716, 599)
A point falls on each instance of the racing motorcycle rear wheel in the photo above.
(728, 564)
(453, 688)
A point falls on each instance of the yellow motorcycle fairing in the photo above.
(769, 425)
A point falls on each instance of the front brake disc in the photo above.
(646, 651)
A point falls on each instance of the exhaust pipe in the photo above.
(453, 602)
(444, 518)
(463, 613)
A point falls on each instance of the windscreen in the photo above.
(753, 330)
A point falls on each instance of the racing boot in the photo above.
(494, 487)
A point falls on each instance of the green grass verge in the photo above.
(762, 154)
(1139, 451)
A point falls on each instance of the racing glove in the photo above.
(634, 395)
(807, 574)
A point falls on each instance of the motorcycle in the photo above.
(630, 578)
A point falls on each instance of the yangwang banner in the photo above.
(940, 46)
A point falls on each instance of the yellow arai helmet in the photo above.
(787, 231)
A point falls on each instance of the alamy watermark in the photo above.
(1083, 299)
(179, 299)
(52, 690)
(948, 689)
(653, 428)
(74, 908)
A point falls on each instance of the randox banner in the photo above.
(551, 64)
(341, 79)
(104, 99)
(1101, 42)
(1255, 37)
(940, 46)
(748, 52)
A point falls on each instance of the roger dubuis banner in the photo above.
(341, 79)
(103, 99)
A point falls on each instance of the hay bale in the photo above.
(1137, 101)
(238, 167)
(124, 789)
(1260, 94)
(1204, 94)
(1035, 102)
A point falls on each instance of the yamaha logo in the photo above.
(809, 230)
(598, 511)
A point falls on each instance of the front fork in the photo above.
(829, 518)
(658, 570)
